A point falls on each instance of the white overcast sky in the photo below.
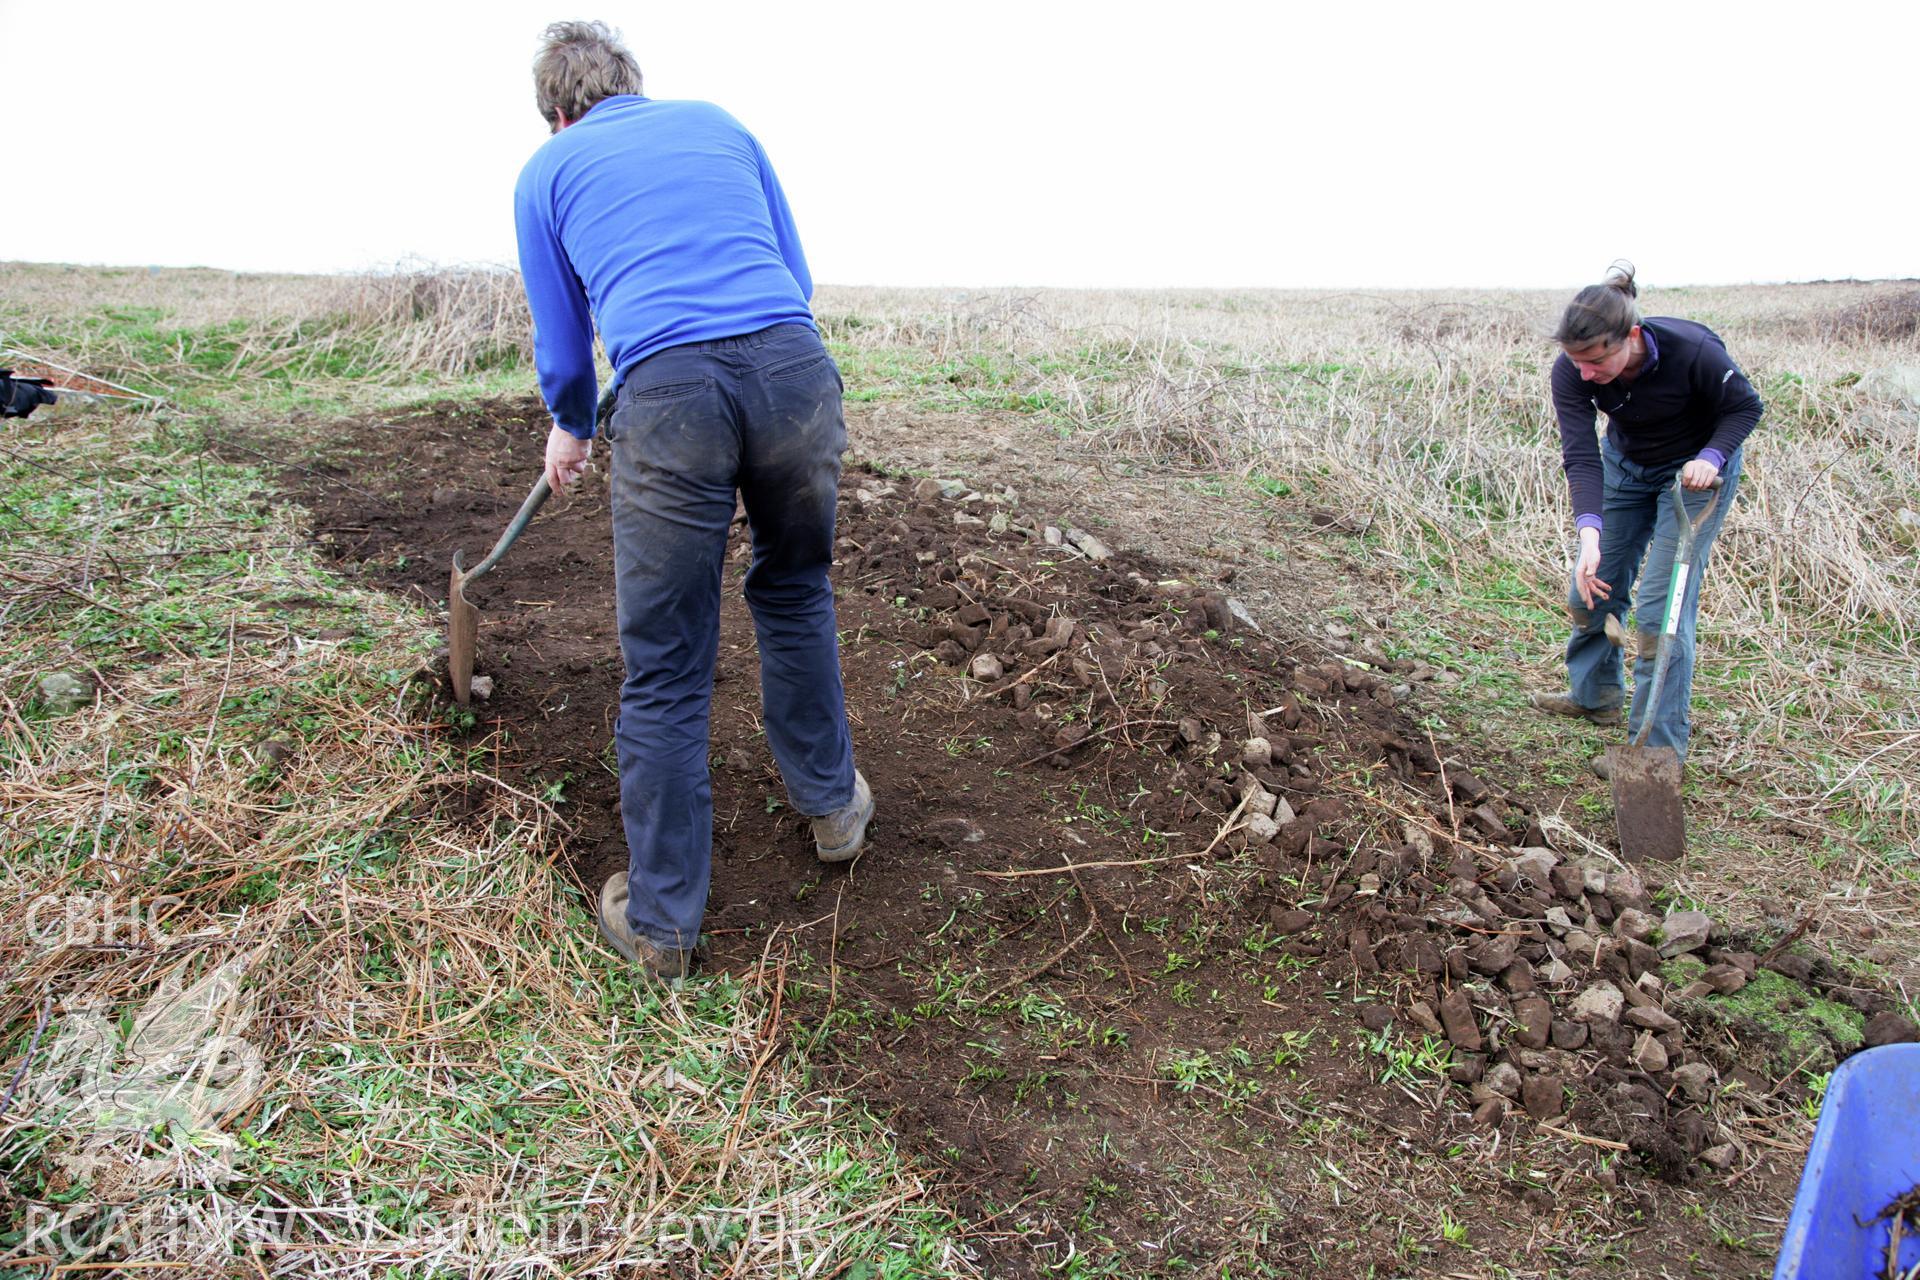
(988, 143)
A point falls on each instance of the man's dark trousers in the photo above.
(760, 413)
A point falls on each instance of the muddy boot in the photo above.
(1560, 704)
(841, 835)
(662, 964)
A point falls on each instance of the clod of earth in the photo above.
(1291, 921)
(1887, 1027)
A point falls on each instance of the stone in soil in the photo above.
(1696, 1080)
(1634, 924)
(1719, 1158)
(1625, 887)
(1536, 866)
(1456, 1015)
(1601, 1002)
(1467, 1068)
(953, 832)
(1258, 799)
(1488, 819)
(1653, 1018)
(1725, 978)
(62, 693)
(986, 668)
(1684, 931)
(1491, 956)
(1650, 1054)
(1568, 882)
(1543, 1095)
(1092, 547)
(1799, 968)
(1421, 1015)
(1502, 1078)
(1489, 1113)
(1568, 1035)
(1261, 829)
(1533, 1022)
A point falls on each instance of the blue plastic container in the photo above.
(1865, 1153)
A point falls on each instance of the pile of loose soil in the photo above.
(1161, 918)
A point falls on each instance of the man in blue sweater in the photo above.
(663, 224)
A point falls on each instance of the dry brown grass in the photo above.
(1429, 414)
(144, 324)
(288, 984)
(1885, 317)
(415, 983)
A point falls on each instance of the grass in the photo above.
(270, 1005)
(1809, 1032)
(210, 338)
(1417, 424)
(451, 1076)
(1428, 415)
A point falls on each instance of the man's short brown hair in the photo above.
(580, 63)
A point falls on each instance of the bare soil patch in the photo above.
(1129, 1022)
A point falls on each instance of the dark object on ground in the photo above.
(19, 397)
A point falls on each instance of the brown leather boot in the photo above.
(662, 964)
(841, 835)
(1561, 704)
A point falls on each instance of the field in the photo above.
(301, 977)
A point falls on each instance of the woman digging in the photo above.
(1676, 404)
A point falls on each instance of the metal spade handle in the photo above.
(528, 509)
(1676, 593)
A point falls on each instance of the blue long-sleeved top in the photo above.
(1690, 400)
(662, 223)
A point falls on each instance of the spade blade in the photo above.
(463, 631)
(1646, 803)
